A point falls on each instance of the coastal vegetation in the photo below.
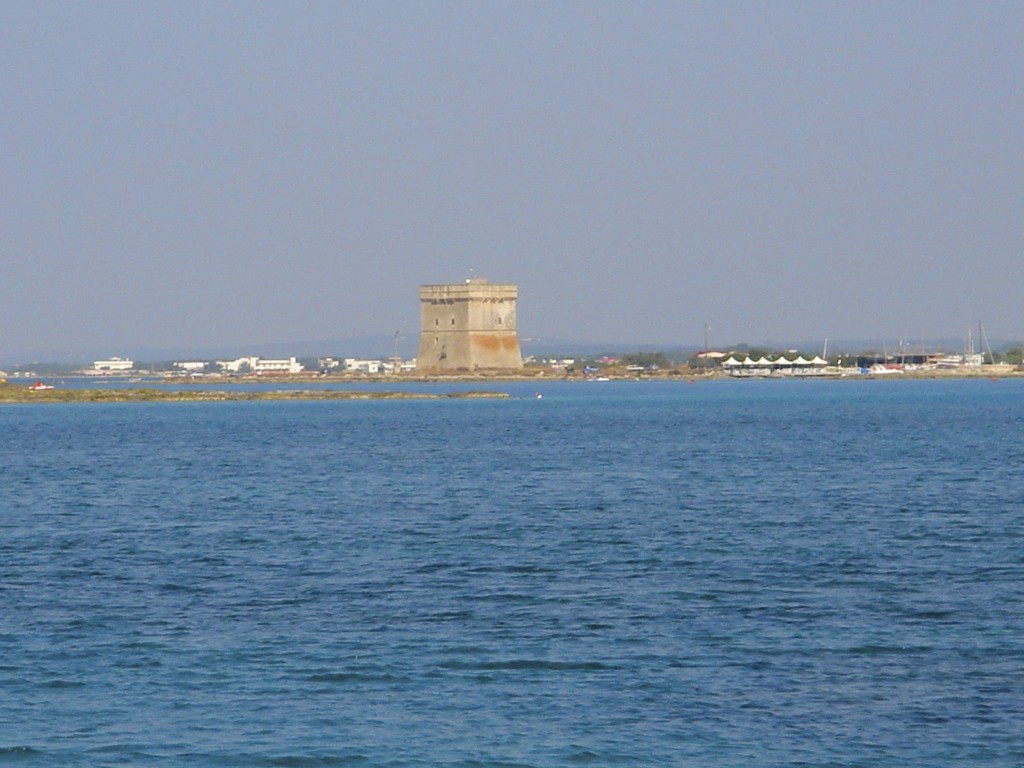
(647, 360)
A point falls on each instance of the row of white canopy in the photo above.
(764, 362)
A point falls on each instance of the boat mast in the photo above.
(983, 340)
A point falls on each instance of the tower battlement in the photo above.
(468, 325)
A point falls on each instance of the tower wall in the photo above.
(468, 325)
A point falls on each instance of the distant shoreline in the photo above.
(212, 388)
(848, 374)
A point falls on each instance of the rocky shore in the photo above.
(12, 393)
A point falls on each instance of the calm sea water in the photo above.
(638, 574)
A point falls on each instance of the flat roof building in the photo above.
(113, 364)
(469, 325)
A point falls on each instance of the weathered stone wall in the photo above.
(468, 325)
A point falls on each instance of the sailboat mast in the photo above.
(983, 340)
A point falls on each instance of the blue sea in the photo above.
(762, 573)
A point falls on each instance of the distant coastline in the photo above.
(681, 373)
(223, 388)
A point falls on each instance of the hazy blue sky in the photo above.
(193, 174)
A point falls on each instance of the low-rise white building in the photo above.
(354, 365)
(291, 365)
(241, 364)
(394, 365)
(119, 364)
(254, 364)
(190, 365)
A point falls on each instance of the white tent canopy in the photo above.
(780, 366)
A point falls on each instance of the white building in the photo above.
(354, 365)
(235, 366)
(403, 366)
(113, 364)
(291, 365)
(259, 365)
(191, 365)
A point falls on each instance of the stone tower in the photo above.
(468, 325)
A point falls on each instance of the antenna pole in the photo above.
(396, 361)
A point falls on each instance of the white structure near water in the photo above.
(259, 365)
(781, 366)
(113, 365)
(371, 367)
